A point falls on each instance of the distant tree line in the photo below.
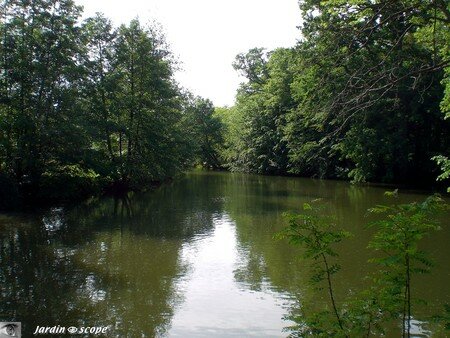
(362, 96)
(86, 106)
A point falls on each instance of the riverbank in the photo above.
(69, 188)
(64, 188)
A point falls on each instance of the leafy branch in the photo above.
(315, 232)
(397, 237)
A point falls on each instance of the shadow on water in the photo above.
(111, 261)
(149, 264)
(259, 214)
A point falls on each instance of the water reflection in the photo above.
(54, 220)
(114, 279)
(196, 258)
(215, 305)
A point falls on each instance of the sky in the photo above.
(206, 35)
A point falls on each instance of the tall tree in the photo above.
(100, 89)
(40, 59)
(206, 131)
(83, 104)
(148, 102)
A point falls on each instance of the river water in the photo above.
(195, 258)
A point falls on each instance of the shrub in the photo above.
(68, 182)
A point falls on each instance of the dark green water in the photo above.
(192, 259)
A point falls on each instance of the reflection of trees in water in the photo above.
(112, 262)
(257, 203)
(116, 261)
(112, 279)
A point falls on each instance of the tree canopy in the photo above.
(362, 96)
(89, 103)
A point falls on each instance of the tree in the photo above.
(84, 104)
(100, 92)
(148, 106)
(206, 132)
(398, 236)
(356, 98)
(261, 105)
(40, 69)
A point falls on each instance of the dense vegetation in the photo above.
(85, 106)
(362, 96)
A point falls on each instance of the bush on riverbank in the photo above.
(69, 182)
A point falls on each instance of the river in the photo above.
(195, 258)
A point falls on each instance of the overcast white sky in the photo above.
(206, 35)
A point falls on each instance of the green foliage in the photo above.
(231, 121)
(361, 96)
(75, 91)
(256, 123)
(315, 232)
(68, 182)
(444, 163)
(205, 128)
(398, 236)
(389, 298)
(444, 318)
